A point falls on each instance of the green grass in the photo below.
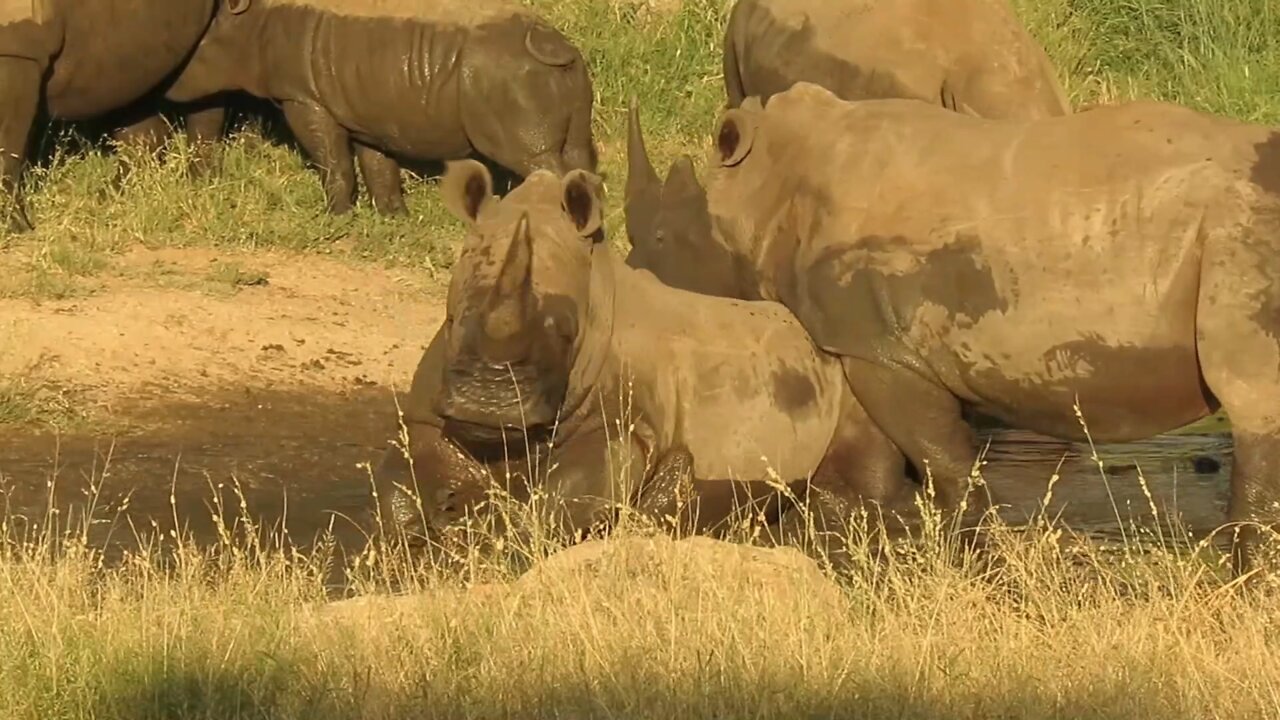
(26, 400)
(1220, 56)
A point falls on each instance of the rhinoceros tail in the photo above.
(548, 46)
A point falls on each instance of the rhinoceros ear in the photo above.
(735, 133)
(235, 7)
(467, 187)
(583, 203)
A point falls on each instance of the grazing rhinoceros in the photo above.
(418, 79)
(1126, 257)
(551, 338)
(971, 56)
(86, 59)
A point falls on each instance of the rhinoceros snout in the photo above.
(490, 402)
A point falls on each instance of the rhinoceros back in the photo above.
(547, 112)
(847, 47)
(971, 55)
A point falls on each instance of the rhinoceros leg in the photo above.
(204, 135)
(382, 177)
(329, 146)
(430, 485)
(146, 136)
(925, 421)
(669, 489)
(590, 476)
(1238, 342)
(19, 98)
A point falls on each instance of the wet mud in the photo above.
(297, 458)
(294, 456)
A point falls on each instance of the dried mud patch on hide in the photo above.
(16, 11)
(1266, 171)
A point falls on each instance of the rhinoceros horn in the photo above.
(509, 301)
(643, 187)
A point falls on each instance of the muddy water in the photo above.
(296, 458)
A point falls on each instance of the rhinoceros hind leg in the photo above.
(146, 137)
(382, 178)
(1238, 342)
(329, 147)
(19, 98)
(925, 421)
(205, 128)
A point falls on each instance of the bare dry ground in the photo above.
(185, 323)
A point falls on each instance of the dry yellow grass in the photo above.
(638, 626)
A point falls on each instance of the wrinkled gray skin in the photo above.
(562, 339)
(85, 59)
(509, 88)
(1126, 258)
(971, 56)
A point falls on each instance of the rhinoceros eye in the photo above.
(660, 237)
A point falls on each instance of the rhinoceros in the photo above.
(422, 80)
(1124, 258)
(551, 339)
(86, 59)
(972, 56)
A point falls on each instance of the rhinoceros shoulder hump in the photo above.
(453, 12)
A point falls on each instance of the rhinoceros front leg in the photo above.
(591, 476)
(669, 491)
(329, 146)
(382, 178)
(427, 485)
(19, 97)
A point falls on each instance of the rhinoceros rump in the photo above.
(1124, 257)
(86, 59)
(403, 78)
(972, 56)
(550, 336)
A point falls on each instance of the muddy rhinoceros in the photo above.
(648, 393)
(1125, 258)
(86, 59)
(971, 56)
(415, 79)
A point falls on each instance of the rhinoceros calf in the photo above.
(416, 79)
(644, 390)
(86, 59)
(1126, 257)
(971, 56)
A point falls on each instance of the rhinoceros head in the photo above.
(669, 225)
(223, 59)
(517, 301)
(673, 231)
